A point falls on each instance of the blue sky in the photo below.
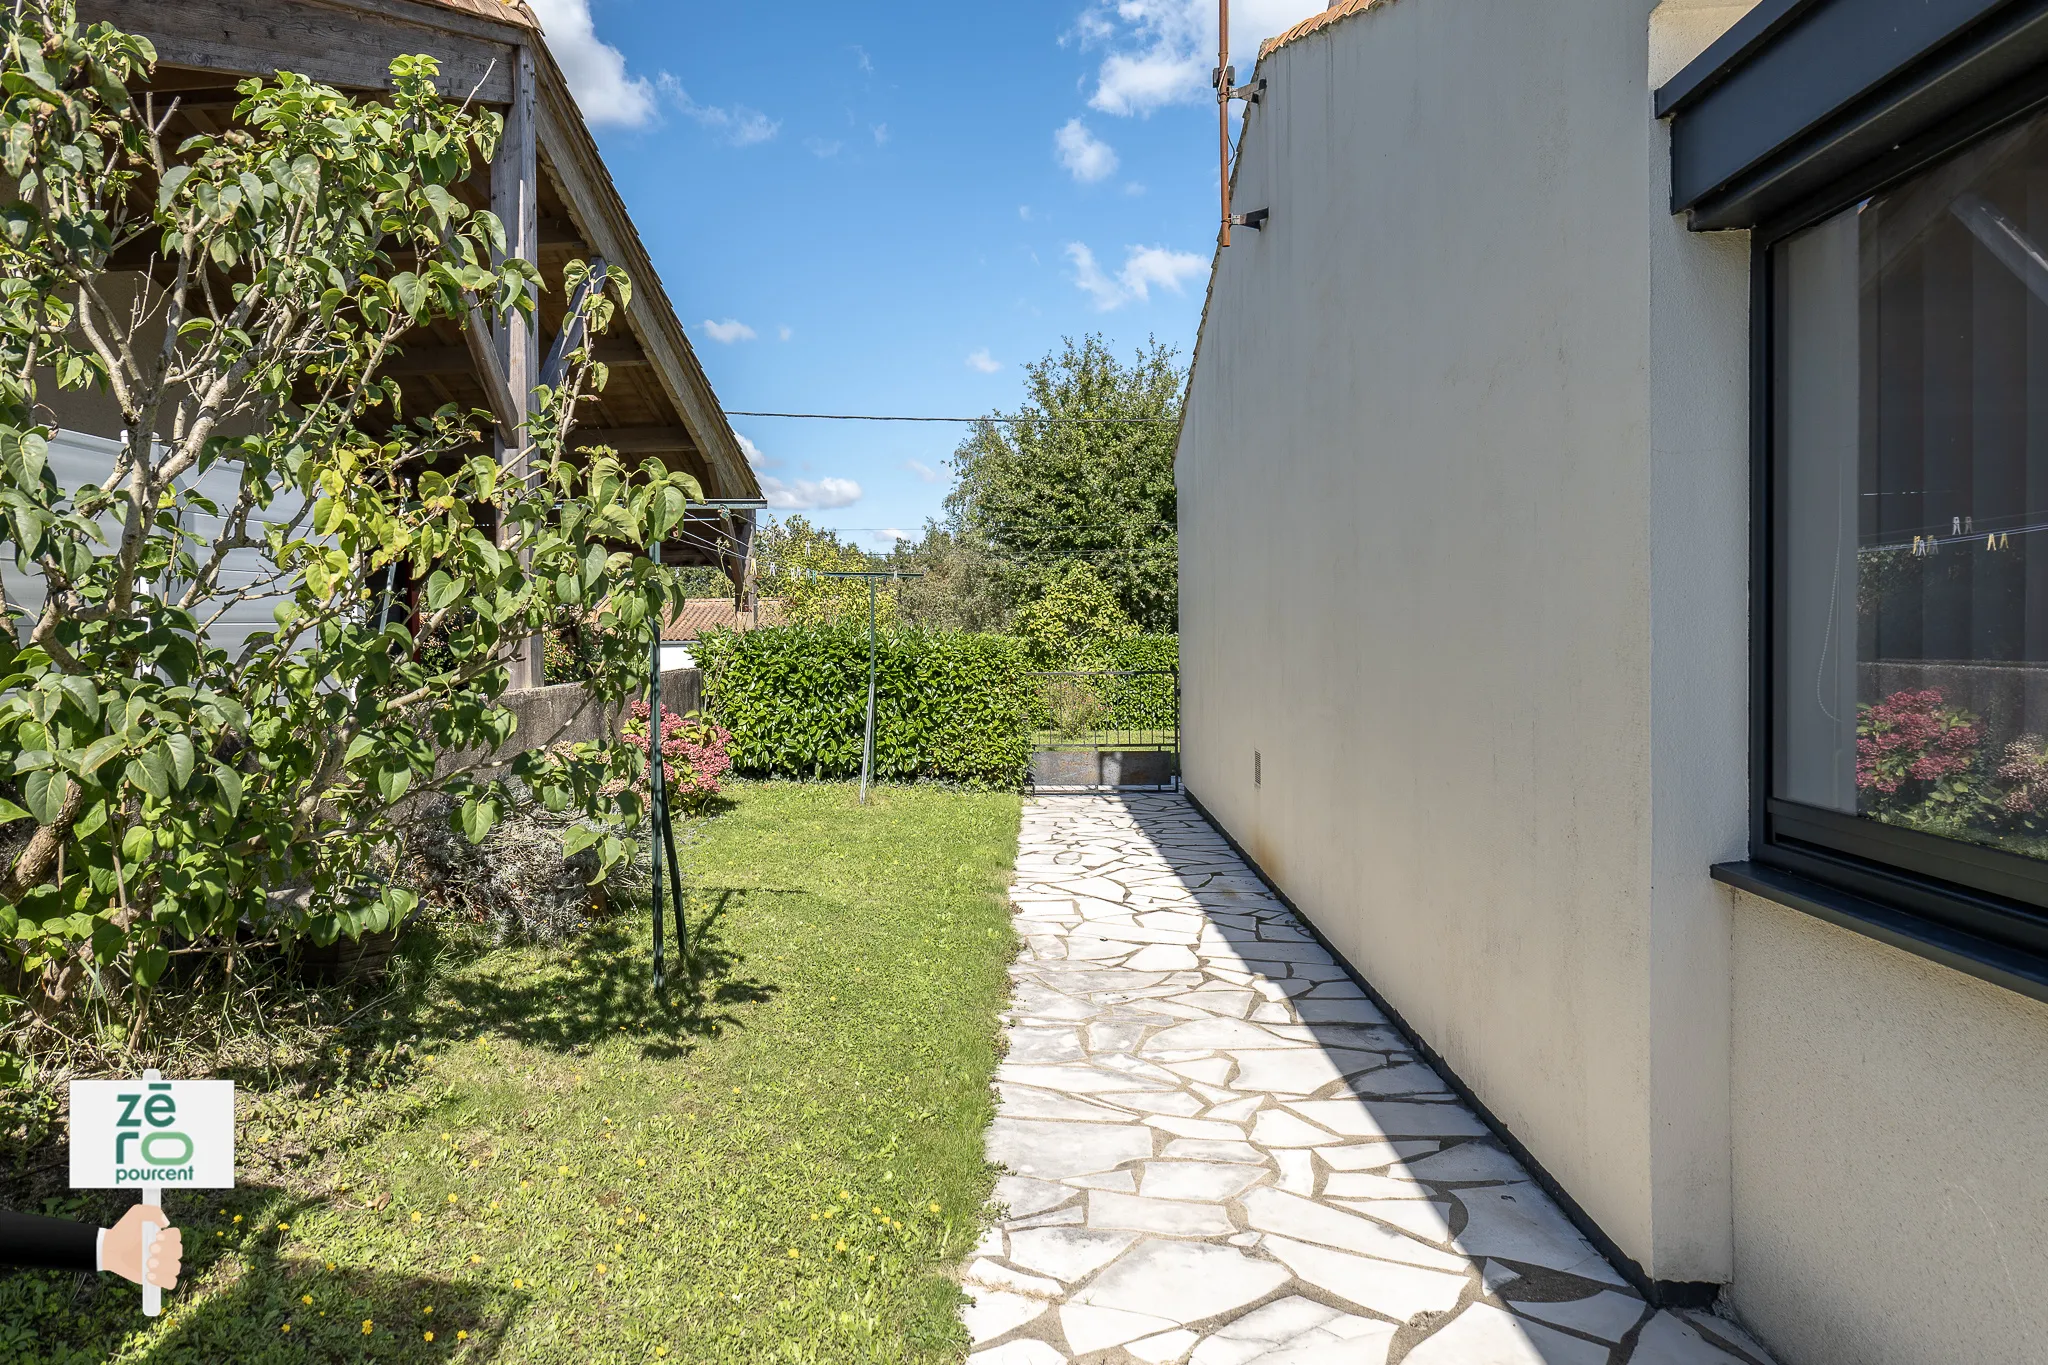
(888, 208)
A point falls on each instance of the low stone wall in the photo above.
(564, 713)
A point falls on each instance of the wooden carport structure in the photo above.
(549, 185)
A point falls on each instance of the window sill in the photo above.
(2014, 969)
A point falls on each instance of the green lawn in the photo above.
(534, 1161)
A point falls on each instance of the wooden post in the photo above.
(515, 198)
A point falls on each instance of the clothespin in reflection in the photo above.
(1917, 551)
(1957, 528)
(1991, 542)
(2004, 540)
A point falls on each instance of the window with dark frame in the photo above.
(1909, 536)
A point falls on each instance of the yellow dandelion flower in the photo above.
(519, 1284)
(284, 1227)
(602, 1267)
(494, 1203)
(935, 1208)
(287, 1327)
(815, 1217)
(661, 1350)
(462, 1336)
(561, 1170)
(618, 1247)
(476, 1260)
(840, 1245)
(639, 1217)
(643, 1162)
(447, 1137)
(305, 1298)
(220, 1234)
(844, 1196)
(415, 1218)
(451, 1198)
(429, 1308)
(526, 1184)
(238, 1218)
(426, 1336)
(795, 1255)
(367, 1325)
(330, 1265)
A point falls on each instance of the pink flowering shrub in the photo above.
(1914, 737)
(2024, 775)
(693, 753)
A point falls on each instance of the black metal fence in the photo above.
(1107, 727)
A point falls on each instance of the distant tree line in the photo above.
(1042, 511)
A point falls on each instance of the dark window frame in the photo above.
(1982, 910)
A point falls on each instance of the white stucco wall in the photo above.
(1464, 529)
(1890, 1152)
(1441, 412)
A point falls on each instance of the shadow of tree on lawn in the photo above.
(603, 986)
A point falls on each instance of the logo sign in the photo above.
(126, 1135)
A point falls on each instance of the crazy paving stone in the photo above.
(1484, 1335)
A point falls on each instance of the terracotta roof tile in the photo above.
(1343, 9)
(700, 614)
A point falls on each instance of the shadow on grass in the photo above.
(47, 1318)
(603, 986)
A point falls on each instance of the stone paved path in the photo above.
(1221, 1153)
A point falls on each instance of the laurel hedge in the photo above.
(948, 705)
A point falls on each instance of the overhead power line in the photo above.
(1012, 421)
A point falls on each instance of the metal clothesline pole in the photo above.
(873, 576)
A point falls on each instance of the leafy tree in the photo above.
(158, 788)
(1076, 623)
(961, 589)
(792, 552)
(1041, 494)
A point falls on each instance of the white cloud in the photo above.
(784, 332)
(822, 148)
(1162, 51)
(596, 70)
(1144, 267)
(889, 535)
(1086, 157)
(737, 124)
(981, 360)
(881, 132)
(809, 495)
(923, 471)
(727, 332)
(861, 58)
(1024, 212)
(756, 457)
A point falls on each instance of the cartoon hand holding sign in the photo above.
(143, 1135)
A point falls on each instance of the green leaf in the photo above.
(82, 693)
(9, 812)
(138, 843)
(150, 964)
(579, 838)
(23, 455)
(151, 774)
(392, 783)
(45, 791)
(443, 591)
(230, 784)
(182, 757)
(98, 752)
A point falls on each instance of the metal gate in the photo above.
(1107, 729)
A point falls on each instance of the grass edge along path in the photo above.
(535, 1162)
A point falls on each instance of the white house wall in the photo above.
(1416, 565)
(1464, 527)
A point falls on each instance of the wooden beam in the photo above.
(344, 45)
(636, 440)
(515, 198)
